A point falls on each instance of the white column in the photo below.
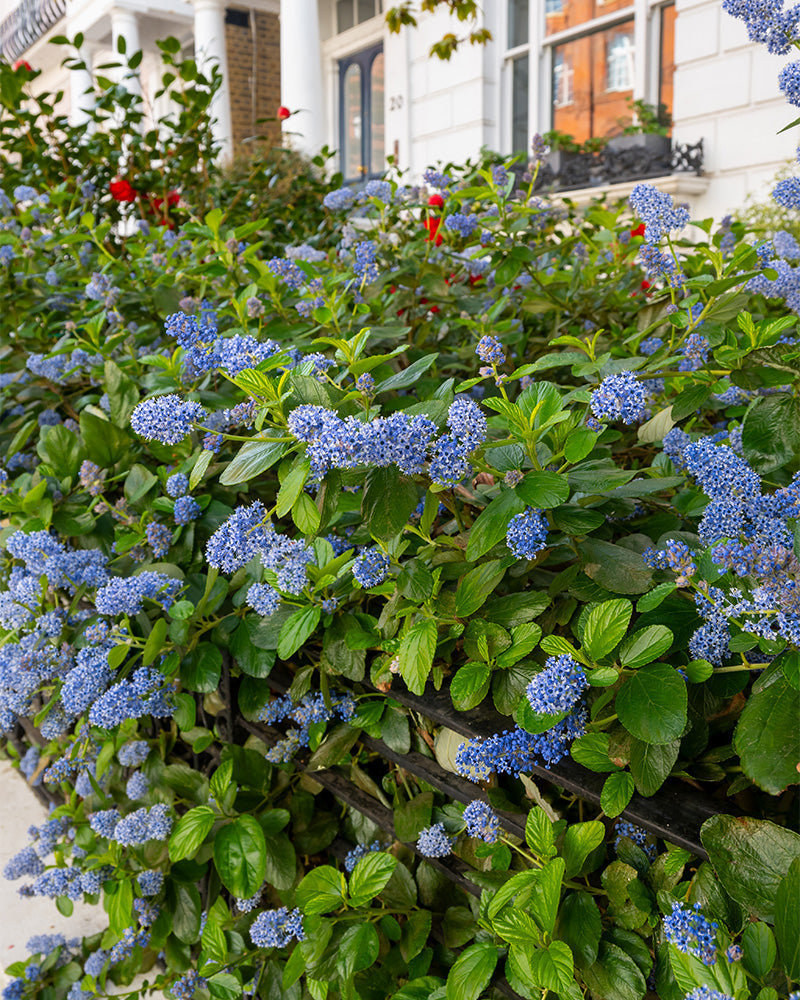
(301, 75)
(81, 81)
(643, 58)
(209, 48)
(125, 24)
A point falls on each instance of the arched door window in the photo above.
(361, 126)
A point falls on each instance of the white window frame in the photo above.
(620, 62)
(646, 15)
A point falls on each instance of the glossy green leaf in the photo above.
(240, 856)
(471, 972)
(652, 704)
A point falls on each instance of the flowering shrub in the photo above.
(263, 501)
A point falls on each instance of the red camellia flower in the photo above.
(122, 190)
(645, 285)
(639, 230)
(432, 225)
(172, 199)
(283, 113)
(23, 64)
(436, 201)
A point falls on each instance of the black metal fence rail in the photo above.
(345, 791)
(675, 813)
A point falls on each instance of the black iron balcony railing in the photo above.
(26, 24)
(620, 162)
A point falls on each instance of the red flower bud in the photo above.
(432, 225)
(283, 113)
(639, 230)
(436, 201)
(122, 190)
(23, 64)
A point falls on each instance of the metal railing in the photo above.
(26, 24)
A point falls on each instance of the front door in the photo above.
(361, 126)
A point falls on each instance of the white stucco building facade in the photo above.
(370, 94)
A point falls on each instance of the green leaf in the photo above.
(614, 567)
(292, 486)
(655, 597)
(358, 949)
(767, 736)
(334, 747)
(652, 704)
(544, 894)
(577, 520)
(751, 857)
(543, 489)
(224, 986)
(689, 400)
(281, 860)
(651, 764)
(580, 839)
(369, 877)
(771, 432)
(552, 967)
(759, 949)
(411, 817)
(476, 586)
(416, 653)
(388, 502)
(591, 751)
(605, 625)
(123, 394)
(408, 376)
(297, 629)
(690, 972)
(580, 925)
(105, 443)
(118, 904)
(470, 685)
(155, 641)
(240, 855)
(579, 444)
(306, 515)
(201, 669)
(515, 609)
(539, 833)
(254, 457)
(190, 832)
(62, 451)
(471, 972)
(617, 793)
(321, 891)
(645, 646)
(615, 976)
(787, 921)
(491, 525)
(415, 933)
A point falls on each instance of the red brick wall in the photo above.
(254, 70)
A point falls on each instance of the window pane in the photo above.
(344, 15)
(520, 135)
(517, 22)
(352, 122)
(592, 83)
(667, 57)
(563, 14)
(377, 135)
(365, 10)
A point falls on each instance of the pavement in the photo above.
(20, 918)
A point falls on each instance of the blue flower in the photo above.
(691, 932)
(263, 599)
(789, 82)
(167, 419)
(371, 567)
(490, 351)
(360, 851)
(433, 842)
(382, 190)
(527, 533)
(150, 882)
(482, 821)
(364, 265)
(459, 222)
(133, 753)
(177, 485)
(186, 509)
(339, 200)
(657, 211)
(619, 397)
(277, 928)
(126, 596)
(558, 687)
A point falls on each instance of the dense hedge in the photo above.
(263, 494)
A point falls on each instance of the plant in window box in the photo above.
(572, 162)
(648, 130)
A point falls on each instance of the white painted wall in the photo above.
(726, 92)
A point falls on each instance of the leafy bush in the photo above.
(316, 556)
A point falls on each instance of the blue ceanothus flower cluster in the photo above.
(750, 534)
(691, 932)
(309, 710)
(409, 442)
